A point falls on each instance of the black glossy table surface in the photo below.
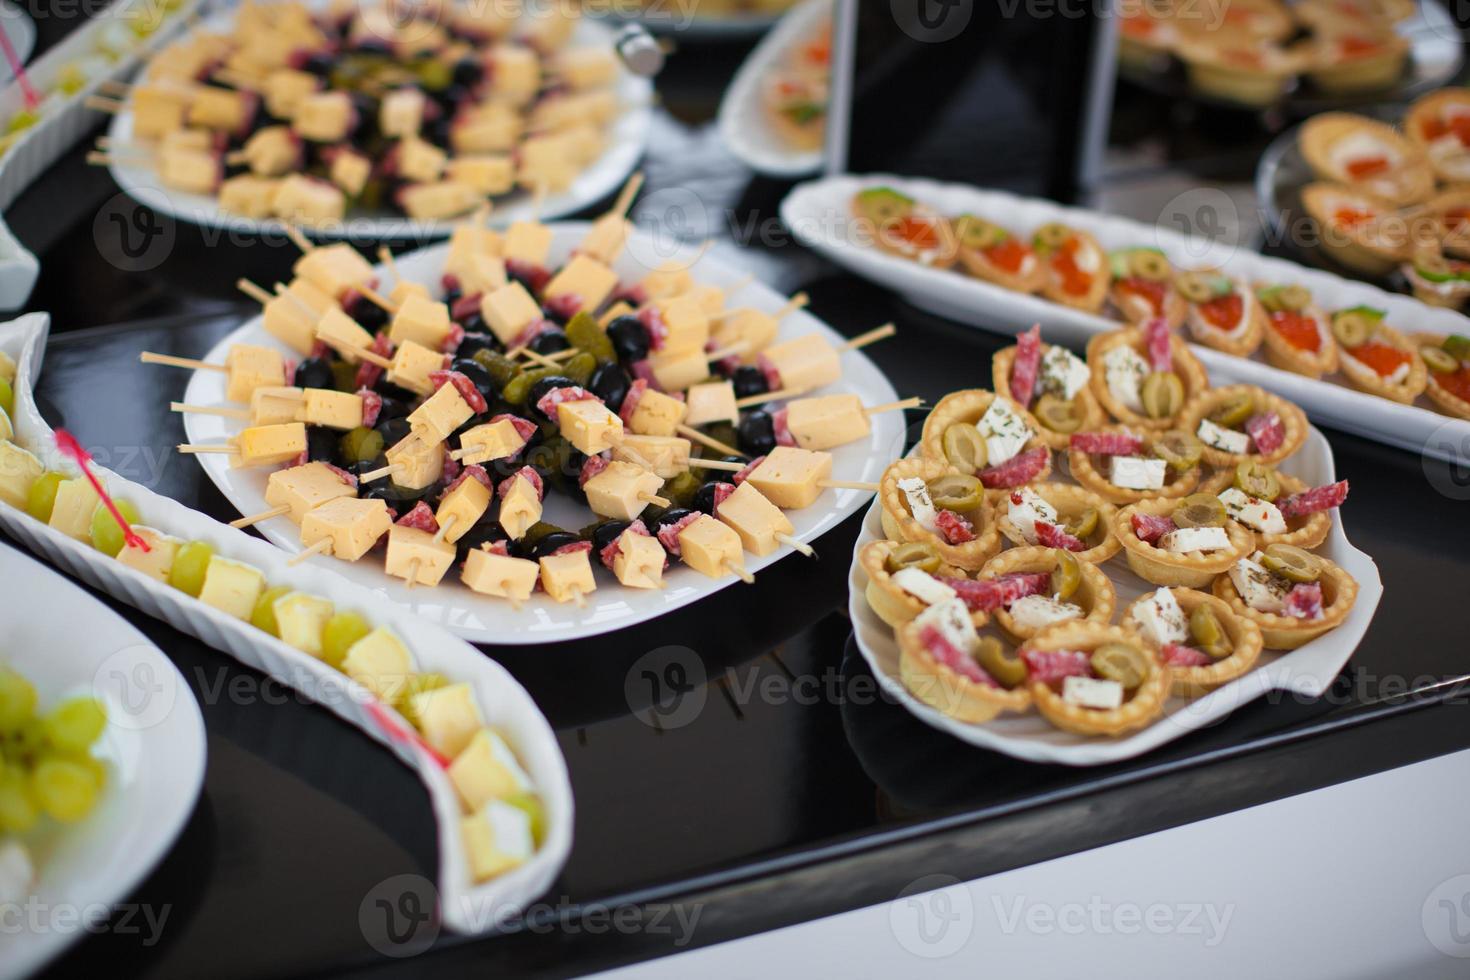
(781, 788)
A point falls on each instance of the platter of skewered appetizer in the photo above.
(1351, 355)
(695, 20)
(774, 114)
(488, 758)
(1085, 559)
(541, 423)
(348, 120)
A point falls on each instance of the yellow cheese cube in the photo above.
(520, 507)
(422, 321)
(419, 160)
(491, 128)
(586, 67)
(350, 171)
(568, 577)
(515, 73)
(676, 370)
(249, 368)
(461, 507)
(528, 241)
(415, 556)
(469, 239)
(493, 440)
(499, 575)
(72, 512)
(18, 470)
(604, 241)
(667, 456)
(343, 334)
(190, 171)
(496, 840)
(306, 487)
(482, 274)
(547, 162)
(791, 478)
(686, 325)
(758, 521)
(589, 425)
(563, 111)
(289, 322)
(284, 89)
(754, 329)
(621, 491)
(300, 619)
(271, 152)
(403, 289)
(379, 662)
(323, 117)
(352, 524)
(656, 414)
(805, 363)
(157, 112)
(639, 563)
(484, 21)
(710, 548)
(277, 405)
(412, 365)
(486, 769)
(249, 195)
(401, 113)
(438, 200)
(585, 278)
(304, 200)
(440, 414)
(549, 26)
(832, 420)
(711, 402)
(332, 409)
(509, 310)
(488, 173)
(708, 297)
(158, 560)
(416, 463)
(219, 108)
(334, 269)
(269, 445)
(231, 587)
(668, 280)
(448, 717)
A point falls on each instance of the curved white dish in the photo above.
(488, 620)
(743, 120)
(1305, 672)
(21, 30)
(818, 213)
(464, 906)
(685, 26)
(627, 138)
(68, 643)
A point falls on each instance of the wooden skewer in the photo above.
(113, 87)
(168, 360)
(323, 546)
(362, 353)
(770, 396)
(864, 339)
(796, 545)
(255, 292)
(377, 299)
(629, 191)
(699, 463)
(200, 449)
(689, 432)
(740, 572)
(540, 359)
(654, 498)
(897, 406)
(236, 157)
(413, 574)
(224, 413)
(301, 304)
(96, 159)
(378, 473)
(445, 528)
(97, 102)
(792, 305)
(299, 240)
(720, 353)
(264, 515)
(385, 256)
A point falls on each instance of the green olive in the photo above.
(1050, 236)
(976, 232)
(1257, 480)
(1292, 563)
(1121, 662)
(1180, 449)
(361, 444)
(1438, 360)
(912, 555)
(1233, 412)
(1294, 298)
(1207, 633)
(1162, 394)
(1007, 670)
(580, 367)
(501, 368)
(1066, 578)
(883, 205)
(1197, 287)
(1145, 263)
(586, 333)
(1200, 510)
(964, 447)
(538, 531)
(1458, 347)
(1083, 525)
(1057, 414)
(518, 389)
(957, 492)
(1354, 328)
(681, 488)
(1270, 298)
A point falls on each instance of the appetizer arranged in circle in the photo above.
(1377, 358)
(898, 224)
(990, 252)
(1093, 679)
(903, 579)
(1243, 422)
(1447, 360)
(948, 665)
(1051, 382)
(1076, 266)
(1059, 515)
(1293, 595)
(1298, 334)
(1368, 156)
(1145, 377)
(988, 436)
(1280, 509)
(1067, 590)
(926, 501)
(1185, 542)
(1223, 313)
(1200, 640)
(1123, 467)
(1143, 287)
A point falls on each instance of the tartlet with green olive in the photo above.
(881, 560)
(982, 434)
(1060, 404)
(928, 502)
(1223, 312)
(1084, 653)
(1243, 422)
(1079, 591)
(1260, 482)
(1375, 357)
(1076, 512)
(1142, 287)
(1298, 334)
(994, 254)
(901, 226)
(1199, 639)
(971, 685)
(1131, 391)
(1101, 474)
(1077, 273)
(1293, 595)
(1185, 542)
(1447, 364)
(1437, 280)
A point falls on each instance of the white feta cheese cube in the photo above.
(1225, 440)
(919, 503)
(1062, 373)
(1262, 515)
(1034, 612)
(1186, 539)
(1136, 473)
(1026, 508)
(1257, 587)
(922, 586)
(952, 619)
(1124, 371)
(1092, 692)
(1005, 432)
(1160, 619)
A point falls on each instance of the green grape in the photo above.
(341, 631)
(17, 701)
(361, 445)
(107, 534)
(264, 616)
(344, 376)
(7, 397)
(41, 498)
(530, 803)
(417, 684)
(17, 805)
(65, 790)
(190, 564)
(73, 725)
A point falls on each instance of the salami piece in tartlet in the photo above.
(1363, 232)
(1242, 422)
(1437, 280)
(1447, 363)
(1145, 377)
(922, 503)
(1294, 596)
(897, 589)
(1237, 66)
(1439, 123)
(1223, 312)
(1368, 156)
(1051, 383)
(1199, 639)
(988, 436)
(1142, 287)
(1077, 273)
(1345, 62)
(1075, 591)
(1176, 543)
(995, 254)
(943, 662)
(1059, 515)
(1094, 679)
(1122, 466)
(901, 226)
(1376, 358)
(1298, 334)
(1277, 508)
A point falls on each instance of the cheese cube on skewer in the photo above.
(287, 321)
(832, 420)
(414, 555)
(272, 152)
(567, 577)
(639, 563)
(686, 325)
(421, 320)
(401, 113)
(158, 560)
(804, 363)
(493, 440)
(443, 412)
(488, 128)
(754, 329)
(792, 478)
(528, 241)
(710, 547)
(668, 280)
(416, 463)
(589, 425)
(547, 162)
(352, 524)
(250, 367)
(515, 73)
(331, 409)
(758, 521)
(487, 173)
(324, 117)
(486, 769)
(334, 269)
(190, 171)
(464, 504)
(300, 619)
(711, 402)
(604, 241)
(621, 491)
(249, 195)
(305, 200)
(221, 109)
(438, 200)
(420, 161)
(412, 365)
(306, 487)
(656, 414)
(269, 445)
(520, 507)
(509, 310)
(480, 274)
(284, 89)
(666, 456)
(18, 470)
(585, 67)
(403, 289)
(585, 278)
(71, 514)
(350, 171)
(675, 370)
(500, 575)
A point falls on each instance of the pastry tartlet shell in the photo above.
(1086, 472)
(948, 692)
(1364, 378)
(1339, 592)
(1293, 420)
(1242, 346)
(1301, 532)
(1097, 291)
(1280, 353)
(1146, 704)
(892, 604)
(1085, 401)
(900, 525)
(1185, 364)
(1095, 594)
(1442, 399)
(1245, 640)
(1067, 499)
(969, 405)
(1193, 569)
